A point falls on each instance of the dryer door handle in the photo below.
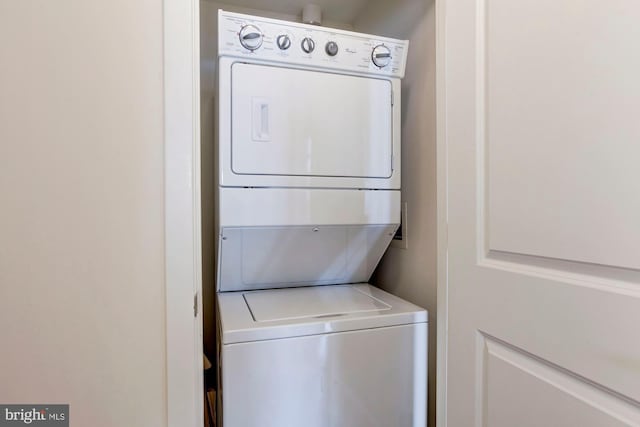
(260, 119)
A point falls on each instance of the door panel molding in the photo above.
(554, 117)
(513, 368)
(492, 232)
(613, 279)
(481, 137)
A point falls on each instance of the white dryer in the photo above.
(308, 194)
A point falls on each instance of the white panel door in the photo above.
(307, 123)
(542, 136)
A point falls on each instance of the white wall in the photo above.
(411, 273)
(81, 217)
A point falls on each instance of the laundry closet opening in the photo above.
(356, 146)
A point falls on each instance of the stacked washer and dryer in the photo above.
(308, 199)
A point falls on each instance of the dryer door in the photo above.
(292, 122)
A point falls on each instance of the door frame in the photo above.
(442, 215)
(183, 251)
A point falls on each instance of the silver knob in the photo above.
(381, 56)
(250, 37)
(331, 48)
(308, 44)
(283, 41)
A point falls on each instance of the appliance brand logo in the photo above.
(36, 415)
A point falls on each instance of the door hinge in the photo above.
(195, 305)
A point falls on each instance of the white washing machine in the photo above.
(340, 356)
(308, 199)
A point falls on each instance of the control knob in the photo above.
(250, 37)
(308, 44)
(331, 48)
(283, 41)
(381, 56)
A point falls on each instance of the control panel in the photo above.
(247, 36)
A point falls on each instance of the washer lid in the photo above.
(302, 312)
(316, 302)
